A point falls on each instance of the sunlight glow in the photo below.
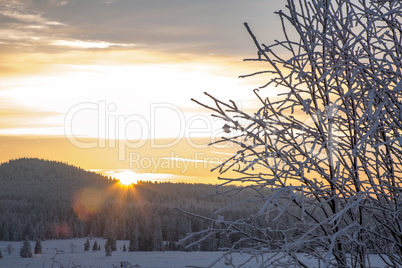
(116, 102)
(126, 177)
(83, 44)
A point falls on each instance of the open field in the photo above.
(97, 259)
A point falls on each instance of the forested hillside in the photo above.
(50, 200)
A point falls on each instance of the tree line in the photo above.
(42, 199)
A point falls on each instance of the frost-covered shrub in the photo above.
(328, 146)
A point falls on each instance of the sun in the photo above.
(126, 178)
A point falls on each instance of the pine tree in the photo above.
(25, 251)
(133, 246)
(9, 249)
(87, 245)
(209, 244)
(124, 248)
(38, 247)
(95, 246)
(111, 241)
(108, 249)
(1, 254)
(224, 241)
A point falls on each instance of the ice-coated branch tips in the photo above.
(322, 156)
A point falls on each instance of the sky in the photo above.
(107, 84)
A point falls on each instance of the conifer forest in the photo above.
(51, 200)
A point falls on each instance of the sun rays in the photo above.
(126, 178)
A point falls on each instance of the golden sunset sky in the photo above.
(106, 85)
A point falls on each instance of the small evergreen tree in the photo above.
(72, 246)
(111, 241)
(108, 250)
(38, 247)
(95, 246)
(25, 251)
(1, 254)
(133, 246)
(10, 249)
(124, 248)
(209, 244)
(87, 245)
(224, 242)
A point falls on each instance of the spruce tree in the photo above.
(25, 251)
(9, 249)
(38, 247)
(108, 249)
(95, 246)
(87, 245)
(133, 246)
(111, 241)
(224, 241)
(124, 248)
(209, 244)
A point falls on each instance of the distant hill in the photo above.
(42, 199)
(34, 179)
(36, 196)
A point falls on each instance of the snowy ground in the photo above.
(95, 259)
(168, 259)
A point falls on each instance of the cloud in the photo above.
(25, 28)
(88, 44)
(109, 2)
(58, 2)
(55, 36)
(173, 26)
(23, 11)
(13, 116)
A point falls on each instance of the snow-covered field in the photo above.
(168, 259)
(94, 259)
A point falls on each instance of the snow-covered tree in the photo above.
(38, 247)
(10, 249)
(72, 247)
(108, 250)
(25, 251)
(133, 246)
(329, 144)
(111, 241)
(87, 245)
(209, 244)
(95, 246)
